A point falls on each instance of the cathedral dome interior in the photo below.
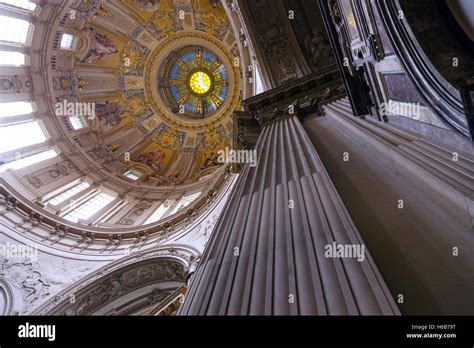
(206, 157)
(140, 113)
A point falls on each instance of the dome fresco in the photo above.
(140, 98)
(194, 81)
(160, 94)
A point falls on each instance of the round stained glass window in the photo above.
(194, 81)
(200, 82)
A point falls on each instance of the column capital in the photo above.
(300, 97)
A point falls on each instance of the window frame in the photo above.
(81, 119)
(11, 159)
(29, 34)
(86, 200)
(48, 199)
(73, 42)
(26, 59)
(132, 172)
(41, 127)
(20, 9)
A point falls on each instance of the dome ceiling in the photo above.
(164, 79)
(123, 105)
(194, 82)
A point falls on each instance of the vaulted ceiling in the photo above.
(135, 62)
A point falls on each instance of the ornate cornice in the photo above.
(299, 98)
(165, 265)
(47, 229)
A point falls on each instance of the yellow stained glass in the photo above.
(200, 82)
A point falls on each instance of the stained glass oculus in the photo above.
(194, 81)
(200, 82)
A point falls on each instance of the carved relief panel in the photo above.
(272, 41)
(50, 174)
(15, 84)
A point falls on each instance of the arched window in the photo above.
(132, 174)
(89, 207)
(77, 122)
(14, 30)
(12, 58)
(68, 42)
(24, 4)
(21, 162)
(16, 136)
(15, 108)
(63, 196)
(19, 132)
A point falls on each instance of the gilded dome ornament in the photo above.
(194, 82)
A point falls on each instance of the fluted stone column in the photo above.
(267, 253)
(412, 200)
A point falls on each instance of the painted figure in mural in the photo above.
(153, 159)
(316, 45)
(108, 115)
(172, 179)
(102, 47)
(210, 162)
